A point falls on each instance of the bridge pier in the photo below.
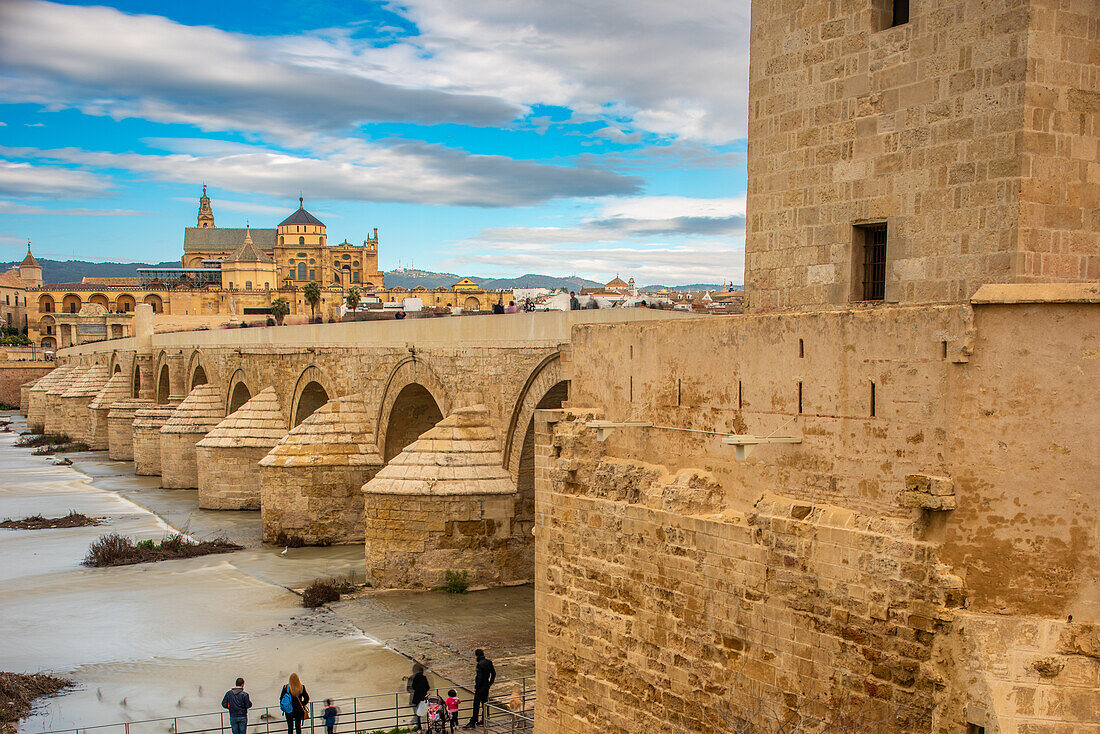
(147, 424)
(36, 397)
(444, 503)
(117, 388)
(54, 420)
(227, 458)
(75, 401)
(197, 415)
(120, 428)
(311, 481)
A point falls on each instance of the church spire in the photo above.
(206, 214)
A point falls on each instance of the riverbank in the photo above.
(163, 639)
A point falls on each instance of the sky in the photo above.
(496, 138)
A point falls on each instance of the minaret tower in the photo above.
(30, 271)
(206, 214)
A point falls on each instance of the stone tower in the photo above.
(909, 156)
(206, 214)
(30, 272)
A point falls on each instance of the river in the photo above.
(163, 639)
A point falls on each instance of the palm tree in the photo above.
(352, 299)
(312, 292)
(279, 309)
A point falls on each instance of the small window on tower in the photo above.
(869, 262)
(890, 13)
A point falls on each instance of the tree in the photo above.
(352, 299)
(279, 309)
(312, 292)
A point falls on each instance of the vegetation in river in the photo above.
(113, 549)
(37, 522)
(18, 692)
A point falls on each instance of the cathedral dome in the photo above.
(301, 217)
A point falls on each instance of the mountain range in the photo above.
(72, 271)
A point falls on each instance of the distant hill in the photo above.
(72, 271)
(689, 288)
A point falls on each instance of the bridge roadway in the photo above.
(304, 422)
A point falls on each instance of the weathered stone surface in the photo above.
(75, 401)
(117, 388)
(146, 427)
(311, 481)
(444, 503)
(192, 419)
(55, 415)
(228, 457)
(120, 427)
(36, 396)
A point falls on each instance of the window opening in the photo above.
(874, 262)
(801, 349)
(800, 397)
(872, 398)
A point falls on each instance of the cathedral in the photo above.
(227, 276)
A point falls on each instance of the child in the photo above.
(329, 716)
(452, 708)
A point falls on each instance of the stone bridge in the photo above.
(317, 427)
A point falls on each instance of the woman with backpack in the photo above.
(292, 702)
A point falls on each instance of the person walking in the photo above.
(292, 702)
(483, 680)
(237, 702)
(574, 302)
(418, 691)
(329, 715)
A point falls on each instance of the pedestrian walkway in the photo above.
(385, 712)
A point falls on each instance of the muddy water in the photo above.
(163, 639)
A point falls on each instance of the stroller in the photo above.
(437, 715)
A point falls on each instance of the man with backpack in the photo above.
(238, 703)
(484, 678)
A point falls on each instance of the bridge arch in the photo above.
(196, 371)
(135, 381)
(163, 377)
(238, 392)
(545, 388)
(313, 389)
(413, 401)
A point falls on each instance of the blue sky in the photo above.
(492, 138)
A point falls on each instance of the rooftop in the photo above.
(301, 216)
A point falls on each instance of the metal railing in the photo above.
(382, 712)
(515, 713)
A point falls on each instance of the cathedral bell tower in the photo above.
(206, 214)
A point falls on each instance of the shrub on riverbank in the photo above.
(36, 522)
(35, 440)
(113, 549)
(320, 592)
(18, 692)
(455, 582)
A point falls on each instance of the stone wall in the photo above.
(14, 375)
(642, 597)
(147, 438)
(229, 477)
(971, 131)
(920, 546)
(120, 428)
(318, 505)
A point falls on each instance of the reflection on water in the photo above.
(163, 639)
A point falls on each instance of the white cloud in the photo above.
(24, 179)
(672, 68)
(670, 207)
(355, 171)
(706, 262)
(11, 207)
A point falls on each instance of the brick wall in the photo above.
(12, 376)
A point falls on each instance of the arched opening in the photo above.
(472, 304)
(136, 387)
(240, 395)
(301, 271)
(414, 412)
(313, 397)
(525, 480)
(163, 387)
(49, 343)
(125, 303)
(71, 303)
(45, 304)
(118, 369)
(198, 377)
(156, 302)
(100, 299)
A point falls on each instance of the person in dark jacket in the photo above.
(483, 679)
(418, 690)
(574, 302)
(238, 703)
(299, 697)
